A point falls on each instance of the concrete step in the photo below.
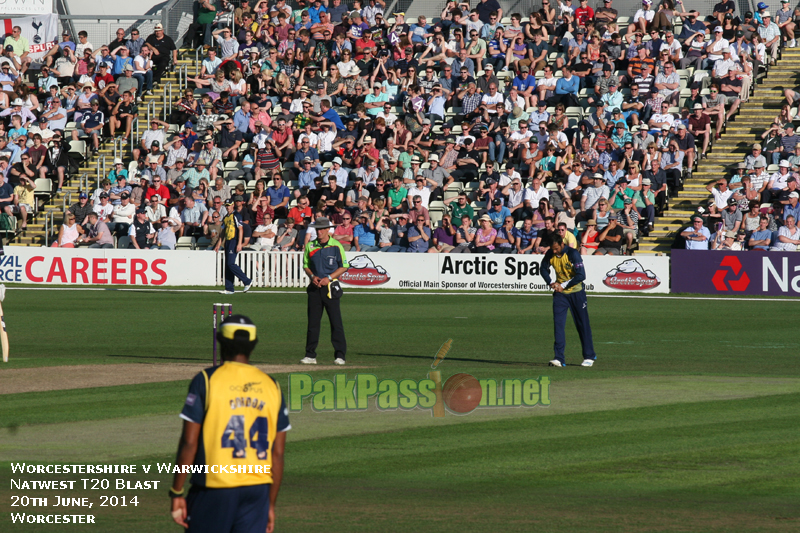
(720, 161)
(735, 137)
(693, 195)
(661, 246)
(675, 216)
(663, 234)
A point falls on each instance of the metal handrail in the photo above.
(100, 158)
(197, 53)
(167, 100)
(114, 18)
(66, 200)
(183, 77)
(134, 140)
(49, 225)
(63, 5)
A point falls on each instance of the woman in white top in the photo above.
(347, 67)
(29, 101)
(642, 19)
(238, 87)
(68, 233)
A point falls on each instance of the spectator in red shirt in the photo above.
(158, 187)
(361, 43)
(103, 78)
(584, 13)
(300, 211)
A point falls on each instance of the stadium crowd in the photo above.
(476, 131)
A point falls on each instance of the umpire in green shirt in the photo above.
(324, 261)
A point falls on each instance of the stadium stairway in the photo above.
(34, 234)
(745, 128)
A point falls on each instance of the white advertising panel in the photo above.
(82, 266)
(496, 272)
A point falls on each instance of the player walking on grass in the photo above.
(568, 294)
(233, 236)
(234, 417)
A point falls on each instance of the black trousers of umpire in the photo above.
(317, 301)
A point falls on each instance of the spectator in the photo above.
(485, 236)
(96, 233)
(165, 236)
(505, 239)
(364, 235)
(761, 238)
(719, 189)
(628, 220)
(696, 235)
(589, 239)
(610, 239)
(91, 126)
(68, 233)
(788, 236)
(164, 50)
(419, 235)
(443, 239)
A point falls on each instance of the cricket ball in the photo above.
(462, 393)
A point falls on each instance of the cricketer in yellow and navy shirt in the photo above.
(240, 410)
(568, 265)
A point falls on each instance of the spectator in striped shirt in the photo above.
(470, 101)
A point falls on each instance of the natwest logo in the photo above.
(737, 285)
(363, 272)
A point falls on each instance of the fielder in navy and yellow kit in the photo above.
(234, 435)
(568, 294)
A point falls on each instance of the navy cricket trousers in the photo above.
(576, 303)
(232, 270)
(233, 510)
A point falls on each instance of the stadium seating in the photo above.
(185, 74)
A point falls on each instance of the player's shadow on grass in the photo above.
(466, 360)
(176, 359)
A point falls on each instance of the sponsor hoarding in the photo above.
(70, 266)
(498, 272)
(736, 273)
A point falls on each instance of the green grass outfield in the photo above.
(688, 421)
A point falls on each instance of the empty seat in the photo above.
(185, 243)
(449, 193)
(233, 183)
(44, 187)
(436, 218)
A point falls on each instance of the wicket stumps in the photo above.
(221, 308)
